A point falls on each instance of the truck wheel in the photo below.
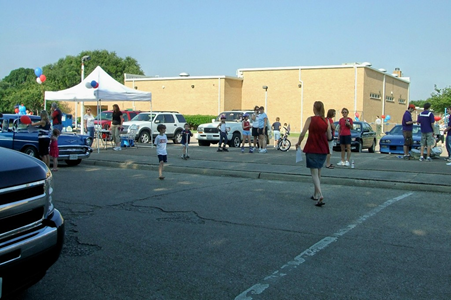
(236, 140)
(144, 137)
(73, 162)
(360, 147)
(373, 147)
(177, 137)
(32, 151)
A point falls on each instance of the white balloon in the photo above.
(38, 80)
(88, 85)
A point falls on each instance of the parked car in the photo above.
(105, 117)
(209, 133)
(362, 137)
(393, 141)
(22, 137)
(31, 228)
(147, 123)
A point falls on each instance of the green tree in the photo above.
(440, 99)
(20, 85)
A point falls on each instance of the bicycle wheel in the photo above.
(284, 145)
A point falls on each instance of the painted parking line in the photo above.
(290, 266)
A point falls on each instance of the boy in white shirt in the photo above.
(161, 141)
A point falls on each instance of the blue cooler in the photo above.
(126, 142)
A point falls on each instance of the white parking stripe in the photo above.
(259, 288)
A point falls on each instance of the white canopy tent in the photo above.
(108, 90)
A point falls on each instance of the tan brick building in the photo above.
(286, 92)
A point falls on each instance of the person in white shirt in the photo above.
(262, 130)
(161, 141)
(89, 122)
(222, 134)
(254, 132)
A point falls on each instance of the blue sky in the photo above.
(207, 38)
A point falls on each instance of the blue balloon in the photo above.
(387, 117)
(38, 72)
(93, 83)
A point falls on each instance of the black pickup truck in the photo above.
(31, 229)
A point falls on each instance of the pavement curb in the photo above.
(345, 181)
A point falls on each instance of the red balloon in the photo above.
(357, 114)
(97, 85)
(383, 116)
(437, 118)
(16, 110)
(43, 78)
(25, 120)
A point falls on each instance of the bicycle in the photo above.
(284, 143)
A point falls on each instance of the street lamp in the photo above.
(82, 106)
(265, 87)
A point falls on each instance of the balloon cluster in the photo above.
(40, 78)
(92, 84)
(386, 117)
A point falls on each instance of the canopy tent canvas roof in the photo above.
(109, 90)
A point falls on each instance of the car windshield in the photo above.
(231, 116)
(143, 117)
(397, 130)
(104, 115)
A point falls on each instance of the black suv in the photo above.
(31, 229)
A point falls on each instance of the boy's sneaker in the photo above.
(341, 163)
(187, 156)
(347, 163)
(428, 159)
(219, 150)
(421, 158)
(225, 149)
(448, 159)
(448, 164)
(251, 150)
(242, 149)
(263, 151)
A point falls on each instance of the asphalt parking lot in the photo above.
(193, 236)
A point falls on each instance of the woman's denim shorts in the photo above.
(315, 161)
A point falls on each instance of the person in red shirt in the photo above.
(246, 133)
(345, 124)
(317, 147)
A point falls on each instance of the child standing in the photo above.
(161, 141)
(222, 134)
(346, 125)
(276, 128)
(186, 137)
(54, 152)
(246, 133)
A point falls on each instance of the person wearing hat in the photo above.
(407, 127)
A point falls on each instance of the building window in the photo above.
(375, 96)
(401, 101)
(389, 99)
